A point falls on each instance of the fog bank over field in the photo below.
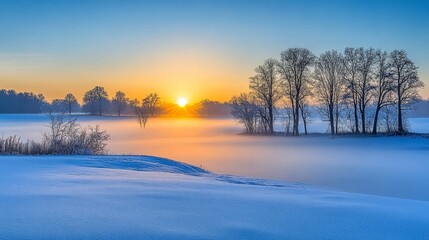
(390, 166)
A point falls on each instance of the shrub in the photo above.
(65, 137)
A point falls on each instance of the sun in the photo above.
(182, 102)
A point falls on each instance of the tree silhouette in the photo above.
(329, 85)
(151, 102)
(70, 102)
(94, 96)
(120, 102)
(407, 82)
(265, 85)
(294, 69)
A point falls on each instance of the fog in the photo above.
(390, 166)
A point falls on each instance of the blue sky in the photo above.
(59, 46)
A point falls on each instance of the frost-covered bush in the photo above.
(65, 137)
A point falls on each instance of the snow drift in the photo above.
(132, 197)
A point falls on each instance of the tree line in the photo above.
(352, 90)
(96, 101)
(21, 102)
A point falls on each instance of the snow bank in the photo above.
(130, 197)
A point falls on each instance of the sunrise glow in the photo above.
(182, 102)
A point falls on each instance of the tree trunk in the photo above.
(296, 120)
(398, 89)
(271, 120)
(99, 102)
(337, 113)
(331, 119)
(305, 126)
(400, 125)
(304, 120)
(374, 127)
(363, 117)
(356, 117)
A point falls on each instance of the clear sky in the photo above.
(196, 49)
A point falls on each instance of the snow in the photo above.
(386, 166)
(137, 197)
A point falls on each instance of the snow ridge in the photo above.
(139, 163)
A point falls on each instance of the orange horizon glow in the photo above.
(191, 69)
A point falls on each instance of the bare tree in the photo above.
(351, 76)
(96, 95)
(70, 102)
(100, 96)
(329, 84)
(406, 81)
(141, 111)
(152, 102)
(361, 86)
(120, 101)
(265, 85)
(288, 116)
(305, 114)
(389, 118)
(245, 111)
(366, 59)
(294, 70)
(304, 106)
(383, 86)
(89, 99)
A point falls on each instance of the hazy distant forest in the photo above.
(357, 91)
(96, 101)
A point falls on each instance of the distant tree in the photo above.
(101, 96)
(383, 89)
(406, 83)
(304, 106)
(245, 111)
(94, 96)
(70, 102)
(89, 100)
(151, 102)
(58, 105)
(141, 111)
(284, 114)
(120, 102)
(305, 114)
(294, 69)
(265, 86)
(208, 107)
(329, 84)
(389, 118)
